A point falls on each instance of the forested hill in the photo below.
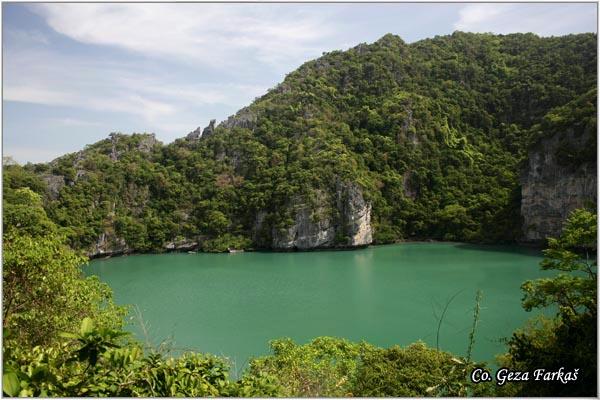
(383, 142)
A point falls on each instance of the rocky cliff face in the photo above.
(145, 143)
(552, 188)
(312, 227)
(198, 132)
(342, 219)
(356, 216)
(55, 183)
(107, 245)
(244, 118)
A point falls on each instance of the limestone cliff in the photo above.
(244, 118)
(312, 227)
(341, 219)
(108, 244)
(552, 187)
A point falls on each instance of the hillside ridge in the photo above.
(383, 142)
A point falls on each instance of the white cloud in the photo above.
(477, 15)
(210, 34)
(38, 95)
(150, 96)
(164, 68)
(545, 19)
(50, 94)
(76, 122)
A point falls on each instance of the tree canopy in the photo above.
(435, 133)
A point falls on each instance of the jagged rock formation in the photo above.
(244, 118)
(145, 143)
(312, 227)
(551, 189)
(210, 129)
(181, 244)
(356, 216)
(195, 134)
(198, 133)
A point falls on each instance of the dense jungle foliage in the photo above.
(63, 336)
(434, 132)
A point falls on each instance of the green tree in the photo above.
(569, 339)
(43, 288)
(323, 367)
(94, 362)
(332, 367)
(573, 254)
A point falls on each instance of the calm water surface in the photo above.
(233, 304)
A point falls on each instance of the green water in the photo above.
(233, 304)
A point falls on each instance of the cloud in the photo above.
(211, 34)
(477, 15)
(38, 95)
(73, 122)
(167, 68)
(54, 79)
(545, 19)
(164, 68)
(50, 94)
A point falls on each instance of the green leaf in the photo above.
(87, 326)
(68, 335)
(10, 384)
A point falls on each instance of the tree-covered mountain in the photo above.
(383, 142)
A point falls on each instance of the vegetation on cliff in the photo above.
(434, 133)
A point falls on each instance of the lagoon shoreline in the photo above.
(196, 250)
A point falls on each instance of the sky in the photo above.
(75, 72)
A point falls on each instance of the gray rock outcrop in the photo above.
(312, 227)
(54, 183)
(244, 118)
(356, 215)
(181, 244)
(198, 132)
(145, 144)
(341, 220)
(552, 189)
(195, 134)
(210, 129)
(108, 245)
